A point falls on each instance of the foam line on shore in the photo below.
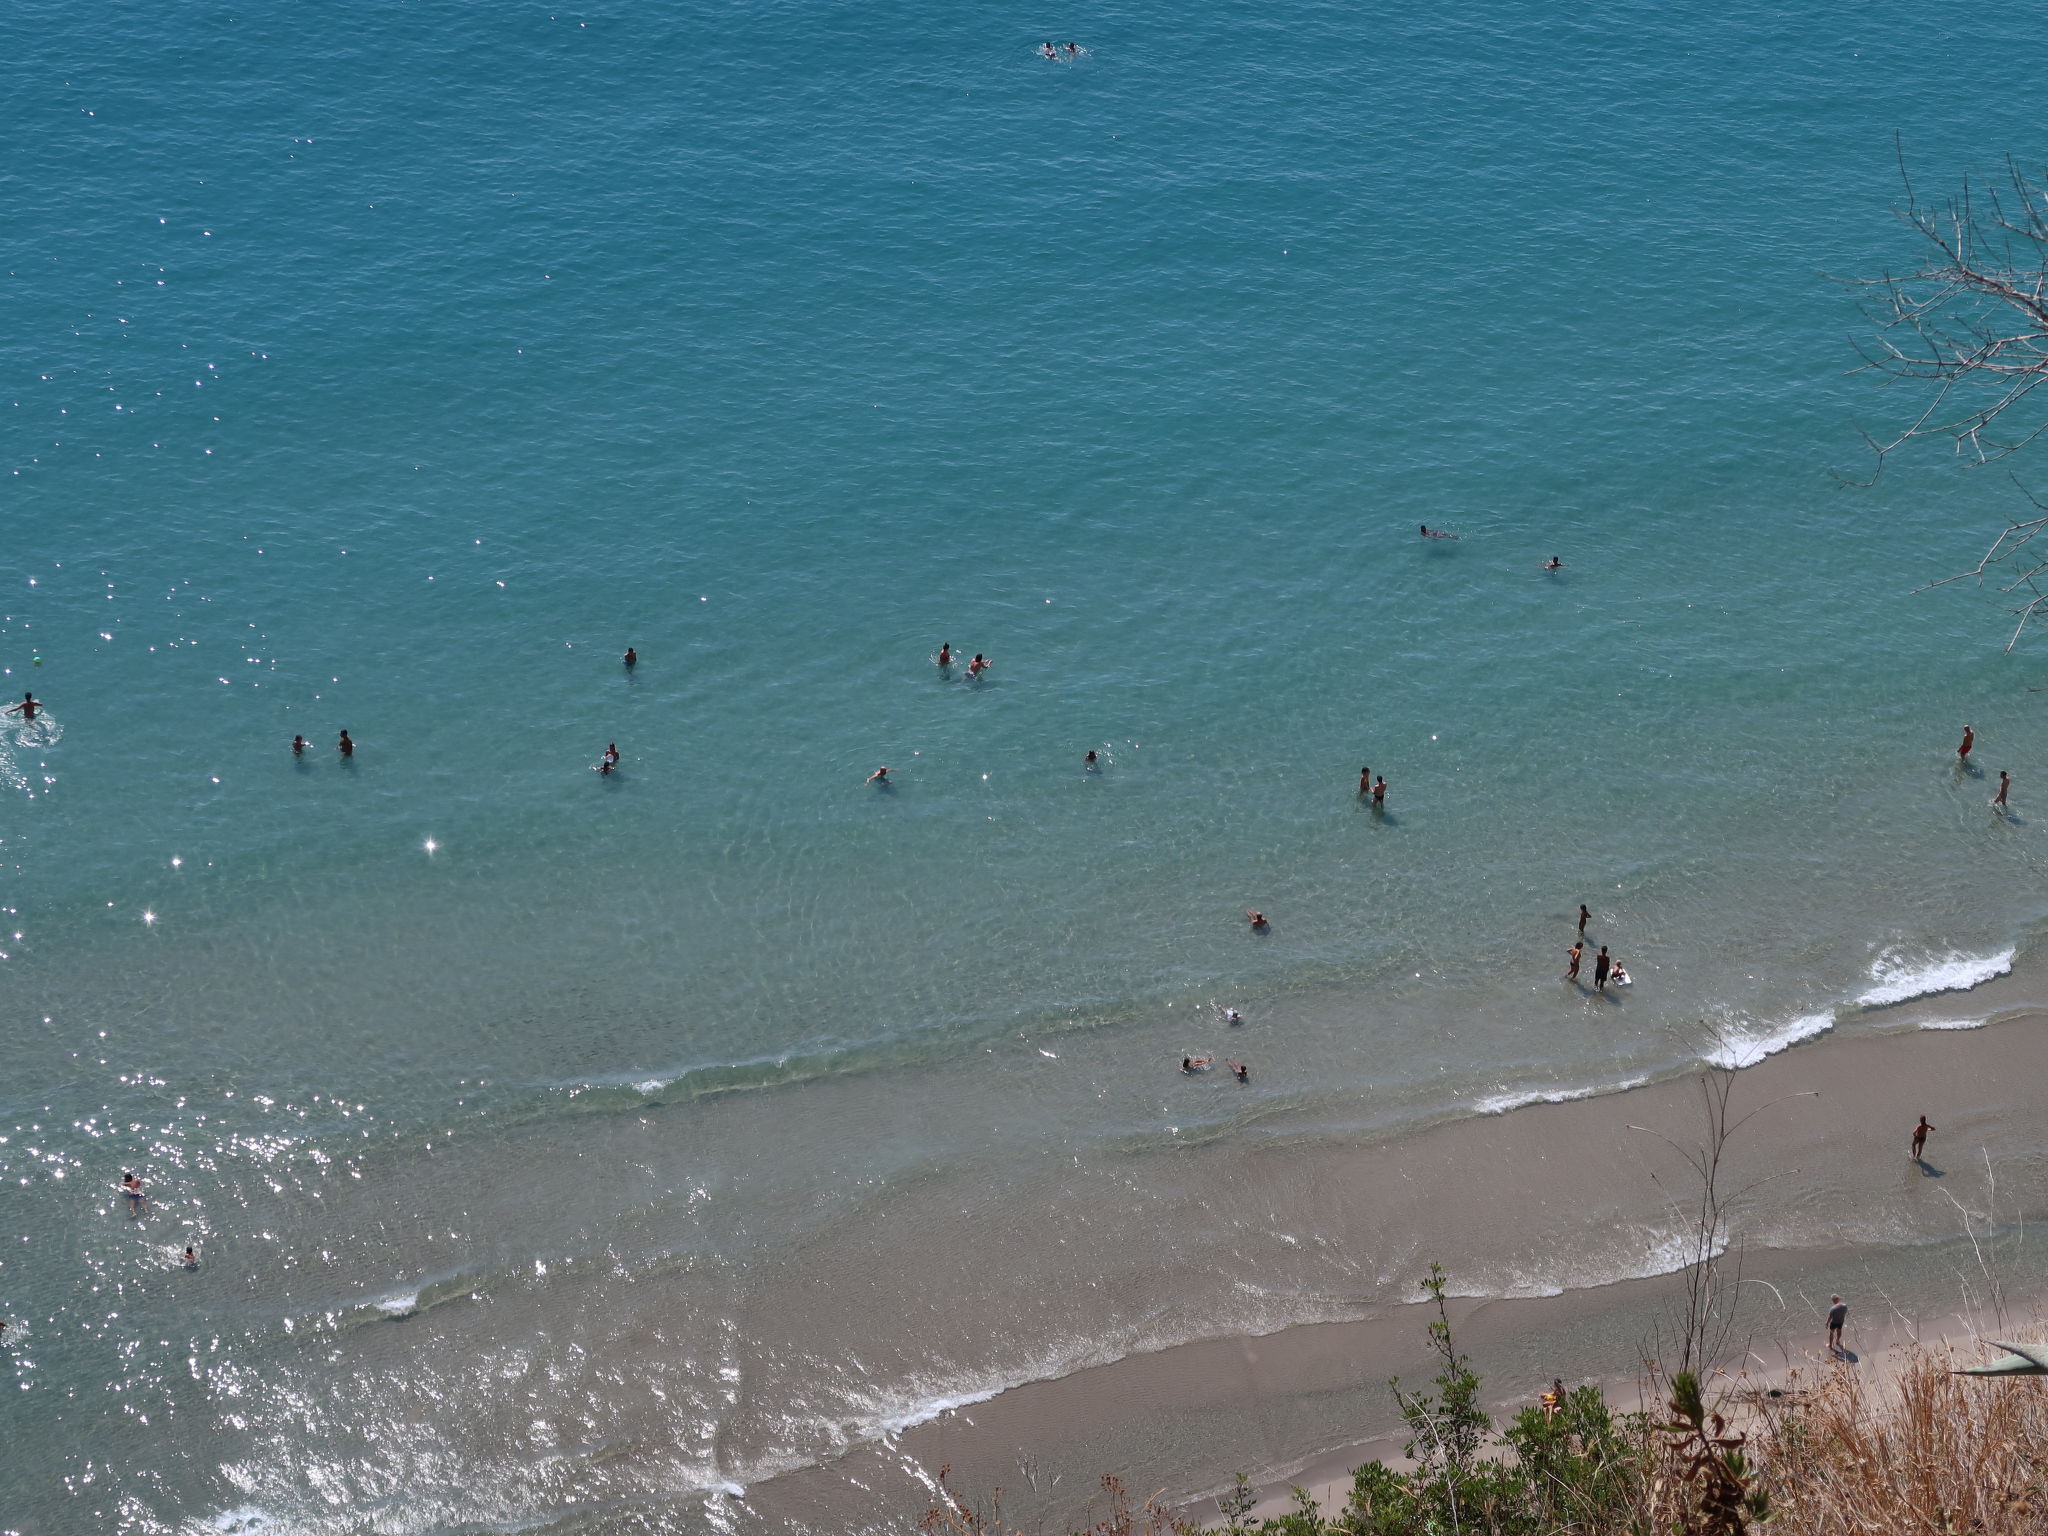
(1738, 1051)
(1898, 979)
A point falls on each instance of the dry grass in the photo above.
(1918, 1452)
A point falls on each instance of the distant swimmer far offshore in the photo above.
(1436, 533)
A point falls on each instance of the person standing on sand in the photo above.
(1601, 966)
(1969, 741)
(1576, 953)
(1920, 1137)
(1585, 917)
(2004, 783)
(1838, 1314)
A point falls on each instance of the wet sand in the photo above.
(1835, 1204)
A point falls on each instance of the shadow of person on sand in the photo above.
(1848, 1356)
(1928, 1170)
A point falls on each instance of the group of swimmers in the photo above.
(1063, 55)
(1190, 1066)
(138, 1207)
(1552, 564)
(947, 656)
(1963, 765)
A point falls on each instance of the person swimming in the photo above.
(1379, 792)
(611, 754)
(631, 658)
(191, 1257)
(1046, 50)
(1232, 1016)
(299, 745)
(1194, 1064)
(979, 665)
(945, 653)
(1073, 50)
(1435, 533)
(880, 775)
(1091, 761)
(1553, 564)
(1239, 1071)
(1258, 919)
(345, 747)
(26, 708)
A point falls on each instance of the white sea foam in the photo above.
(1662, 1253)
(1899, 977)
(1501, 1103)
(1954, 1023)
(1745, 1050)
(895, 1423)
(398, 1304)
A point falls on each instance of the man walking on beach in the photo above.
(1576, 953)
(1601, 966)
(1920, 1137)
(1837, 1315)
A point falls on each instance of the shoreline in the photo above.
(1304, 1403)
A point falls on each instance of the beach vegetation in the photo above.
(1965, 328)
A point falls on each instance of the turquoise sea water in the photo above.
(395, 367)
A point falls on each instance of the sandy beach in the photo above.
(1304, 1404)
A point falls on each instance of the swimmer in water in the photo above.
(1379, 793)
(979, 665)
(299, 746)
(1239, 1071)
(1365, 781)
(604, 768)
(1046, 50)
(945, 653)
(1618, 977)
(2004, 783)
(880, 775)
(611, 754)
(131, 1186)
(344, 746)
(631, 658)
(1258, 919)
(1553, 564)
(1232, 1016)
(26, 708)
(1962, 752)
(1435, 533)
(1073, 50)
(1194, 1064)
(1090, 760)
(191, 1258)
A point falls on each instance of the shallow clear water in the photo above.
(396, 370)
